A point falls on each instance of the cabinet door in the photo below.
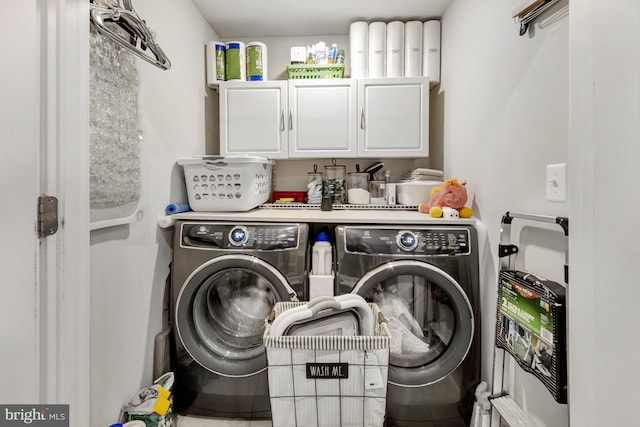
(323, 120)
(393, 117)
(253, 118)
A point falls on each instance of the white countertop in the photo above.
(338, 216)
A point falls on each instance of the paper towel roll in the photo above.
(377, 49)
(256, 61)
(215, 63)
(431, 51)
(358, 43)
(236, 59)
(395, 49)
(413, 48)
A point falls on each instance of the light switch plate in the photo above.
(557, 182)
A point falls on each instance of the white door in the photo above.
(44, 120)
(394, 117)
(322, 118)
(19, 177)
(254, 119)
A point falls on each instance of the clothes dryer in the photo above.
(425, 279)
(226, 279)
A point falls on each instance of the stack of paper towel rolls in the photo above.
(395, 49)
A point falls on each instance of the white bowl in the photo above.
(413, 193)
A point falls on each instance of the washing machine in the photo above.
(225, 280)
(425, 279)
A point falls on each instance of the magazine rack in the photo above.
(530, 326)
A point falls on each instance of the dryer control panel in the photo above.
(414, 241)
(262, 237)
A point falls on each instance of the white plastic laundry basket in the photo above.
(218, 183)
(328, 381)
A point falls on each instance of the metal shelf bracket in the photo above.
(529, 11)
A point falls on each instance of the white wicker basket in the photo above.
(357, 400)
(217, 183)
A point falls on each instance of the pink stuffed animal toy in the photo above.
(451, 194)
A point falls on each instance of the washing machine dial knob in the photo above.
(238, 236)
(407, 241)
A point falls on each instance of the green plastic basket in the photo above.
(314, 71)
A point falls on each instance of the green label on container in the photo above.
(232, 57)
(527, 308)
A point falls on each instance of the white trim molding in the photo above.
(65, 255)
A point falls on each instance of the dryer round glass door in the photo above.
(430, 319)
(221, 311)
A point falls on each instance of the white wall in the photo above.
(502, 110)
(605, 106)
(129, 264)
(19, 251)
(504, 102)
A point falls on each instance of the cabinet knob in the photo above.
(362, 118)
(282, 120)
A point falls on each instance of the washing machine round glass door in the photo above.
(221, 311)
(430, 319)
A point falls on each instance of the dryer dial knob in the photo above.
(407, 241)
(238, 236)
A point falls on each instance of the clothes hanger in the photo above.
(140, 42)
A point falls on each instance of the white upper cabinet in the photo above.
(254, 118)
(316, 118)
(393, 117)
(322, 118)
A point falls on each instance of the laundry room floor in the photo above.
(182, 421)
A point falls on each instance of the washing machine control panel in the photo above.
(418, 241)
(407, 240)
(240, 236)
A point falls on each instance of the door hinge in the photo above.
(47, 216)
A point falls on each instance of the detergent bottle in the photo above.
(322, 258)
